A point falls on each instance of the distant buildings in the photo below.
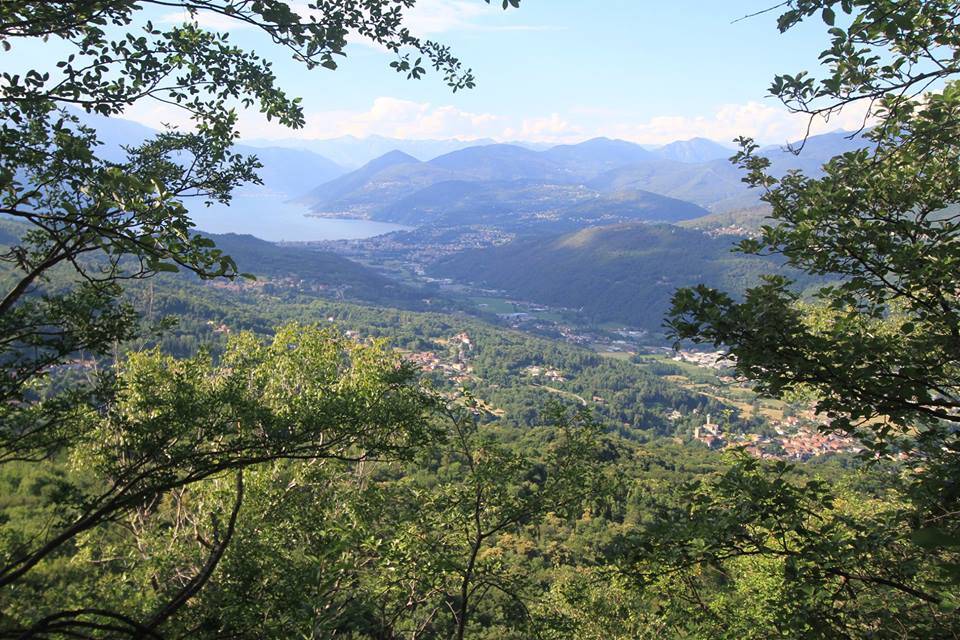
(709, 434)
(554, 375)
(706, 359)
(455, 365)
(518, 316)
(800, 444)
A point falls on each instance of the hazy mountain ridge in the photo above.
(353, 152)
(603, 180)
(285, 172)
(694, 150)
(526, 203)
(359, 179)
(503, 162)
(598, 155)
(713, 185)
(411, 192)
(288, 269)
(614, 170)
(809, 155)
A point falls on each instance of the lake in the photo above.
(274, 220)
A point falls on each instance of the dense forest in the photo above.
(625, 273)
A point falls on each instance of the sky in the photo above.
(551, 71)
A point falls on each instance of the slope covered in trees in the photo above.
(747, 221)
(525, 204)
(625, 273)
(119, 453)
(321, 271)
(280, 269)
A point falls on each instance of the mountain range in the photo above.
(285, 172)
(563, 187)
(511, 185)
(502, 185)
(353, 152)
(694, 150)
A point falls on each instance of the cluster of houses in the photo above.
(706, 359)
(286, 283)
(453, 365)
(76, 364)
(807, 443)
(550, 373)
(573, 336)
(237, 285)
(802, 444)
(416, 249)
(218, 327)
(732, 230)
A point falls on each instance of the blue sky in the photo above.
(557, 71)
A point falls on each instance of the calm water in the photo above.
(269, 219)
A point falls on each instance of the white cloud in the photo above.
(397, 118)
(429, 17)
(764, 122)
(439, 16)
(386, 116)
(552, 128)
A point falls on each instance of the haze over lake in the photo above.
(275, 220)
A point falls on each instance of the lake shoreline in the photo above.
(288, 222)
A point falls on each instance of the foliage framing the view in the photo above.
(879, 349)
(107, 222)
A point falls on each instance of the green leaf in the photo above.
(165, 267)
(934, 538)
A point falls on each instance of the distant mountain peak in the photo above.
(694, 150)
(391, 158)
(697, 139)
(601, 142)
(500, 148)
(599, 139)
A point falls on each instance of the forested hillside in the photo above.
(625, 273)
(522, 204)
(494, 364)
(324, 273)
(288, 270)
